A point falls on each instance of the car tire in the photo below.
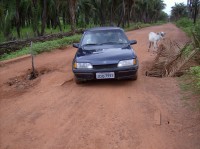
(135, 77)
(77, 80)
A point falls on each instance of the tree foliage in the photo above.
(179, 10)
(42, 14)
(194, 8)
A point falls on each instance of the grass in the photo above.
(191, 89)
(187, 26)
(47, 46)
(138, 25)
(190, 82)
(27, 32)
(40, 47)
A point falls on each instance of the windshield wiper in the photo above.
(112, 42)
(90, 44)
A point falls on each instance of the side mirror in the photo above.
(132, 42)
(76, 45)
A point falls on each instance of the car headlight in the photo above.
(82, 65)
(130, 62)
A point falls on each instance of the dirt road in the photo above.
(52, 112)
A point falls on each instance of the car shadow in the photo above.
(111, 83)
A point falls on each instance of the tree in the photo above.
(44, 17)
(17, 17)
(193, 7)
(72, 9)
(148, 11)
(34, 17)
(43, 14)
(178, 11)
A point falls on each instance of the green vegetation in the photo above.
(192, 30)
(21, 19)
(191, 10)
(178, 11)
(195, 71)
(40, 17)
(190, 84)
(196, 35)
(43, 47)
(40, 47)
(191, 25)
(27, 32)
(191, 80)
(138, 25)
(186, 25)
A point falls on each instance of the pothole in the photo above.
(28, 79)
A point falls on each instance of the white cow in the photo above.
(154, 38)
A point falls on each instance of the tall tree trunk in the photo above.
(129, 11)
(102, 17)
(34, 18)
(64, 19)
(44, 17)
(17, 17)
(122, 14)
(57, 15)
(196, 9)
(133, 16)
(111, 13)
(72, 7)
(58, 22)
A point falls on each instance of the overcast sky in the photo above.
(170, 3)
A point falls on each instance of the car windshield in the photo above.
(101, 37)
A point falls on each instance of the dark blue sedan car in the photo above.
(104, 53)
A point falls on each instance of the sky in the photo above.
(170, 3)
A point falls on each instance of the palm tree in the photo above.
(194, 8)
(44, 17)
(17, 17)
(72, 10)
(178, 11)
(148, 11)
(40, 14)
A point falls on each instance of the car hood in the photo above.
(97, 55)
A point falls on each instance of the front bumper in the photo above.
(120, 73)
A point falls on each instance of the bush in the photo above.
(195, 71)
(192, 78)
(40, 47)
(185, 24)
(196, 34)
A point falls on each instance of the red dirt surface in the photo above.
(52, 112)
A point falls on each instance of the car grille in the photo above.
(104, 66)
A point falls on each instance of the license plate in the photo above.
(105, 75)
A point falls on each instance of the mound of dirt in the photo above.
(25, 81)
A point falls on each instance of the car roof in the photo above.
(104, 28)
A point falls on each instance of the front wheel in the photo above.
(135, 77)
(77, 80)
